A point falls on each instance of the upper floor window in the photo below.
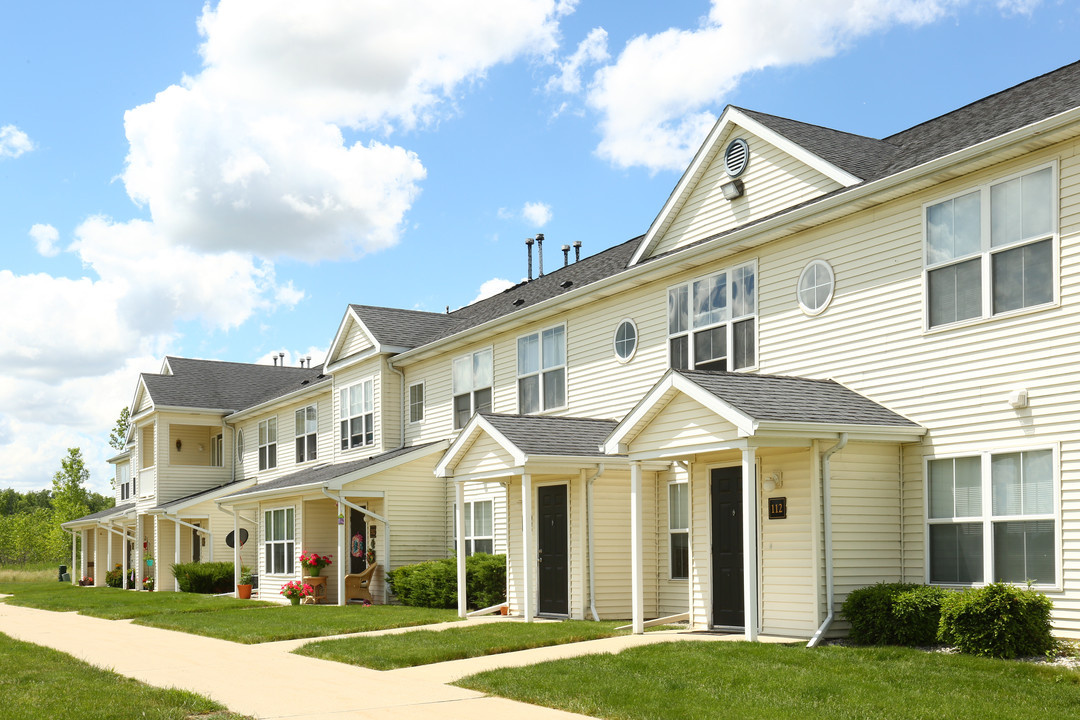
(147, 452)
(217, 450)
(307, 434)
(240, 445)
(472, 380)
(992, 517)
(991, 250)
(358, 414)
(416, 402)
(711, 321)
(123, 479)
(268, 444)
(542, 370)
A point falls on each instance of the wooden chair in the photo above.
(356, 585)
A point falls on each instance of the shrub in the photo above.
(894, 614)
(115, 577)
(998, 620)
(434, 583)
(204, 577)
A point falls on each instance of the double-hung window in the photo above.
(711, 321)
(357, 410)
(541, 370)
(479, 527)
(416, 402)
(678, 529)
(278, 526)
(991, 250)
(268, 444)
(307, 434)
(123, 479)
(992, 517)
(217, 450)
(472, 380)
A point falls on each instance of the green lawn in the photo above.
(114, 603)
(289, 623)
(422, 647)
(38, 682)
(677, 681)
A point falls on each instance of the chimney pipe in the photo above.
(308, 358)
(540, 248)
(275, 360)
(281, 355)
(577, 250)
(565, 255)
(529, 244)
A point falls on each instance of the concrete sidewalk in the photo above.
(268, 681)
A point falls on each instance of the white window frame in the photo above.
(817, 263)
(987, 251)
(473, 389)
(366, 416)
(542, 372)
(306, 442)
(470, 525)
(615, 341)
(217, 450)
(289, 541)
(987, 518)
(240, 444)
(415, 417)
(124, 481)
(672, 531)
(728, 321)
(268, 447)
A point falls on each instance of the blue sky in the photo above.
(222, 181)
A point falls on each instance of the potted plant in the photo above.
(87, 581)
(295, 590)
(313, 563)
(243, 590)
(148, 583)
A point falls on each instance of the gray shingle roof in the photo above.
(403, 328)
(325, 473)
(778, 398)
(226, 385)
(106, 513)
(552, 435)
(201, 494)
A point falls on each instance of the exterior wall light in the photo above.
(733, 189)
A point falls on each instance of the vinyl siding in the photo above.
(174, 480)
(356, 340)
(270, 585)
(369, 369)
(286, 438)
(321, 536)
(484, 455)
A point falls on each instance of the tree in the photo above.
(118, 436)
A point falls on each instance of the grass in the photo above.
(687, 680)
(422, 647)
(39, 572)
(290, 623)
(114, 603)
(43, 683)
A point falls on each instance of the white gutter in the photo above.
(826, 480)
(589, 523)
(313, 388)
(404, 407)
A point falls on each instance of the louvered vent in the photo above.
(736, 156)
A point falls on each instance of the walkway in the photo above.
(268, 681)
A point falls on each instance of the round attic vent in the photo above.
(736, 156)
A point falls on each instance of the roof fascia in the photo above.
(140, 388)
(339, 336)
(379, 467)
(707, 153)
(898, 433)
(186, 409)
(281, 400)
(260, 495)
(166, 368)
(351, 360)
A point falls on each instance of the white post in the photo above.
(237, 561)
(74, 559)
(108, 561)
(83, 560)
(750, 560)
(526, 546)
(156, 574)
(127, 558)
(140, 556)
(342, 554)
(637, 590)
(176, 553)
(459, 524)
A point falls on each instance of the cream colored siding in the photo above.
(611, 495)
(194, 444)
(175, 480)
(286, 438)
(270, 585)
(484, 455)
(384, 440)
(390, 408)
(479, 492)
(683, 423)
(672, 596)
(773, 180)
(320, 536)
(356, 340)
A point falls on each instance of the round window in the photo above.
(816, 286)
(239, 444)
(625, 340)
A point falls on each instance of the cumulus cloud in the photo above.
(14, 142)
(537, 213)
(657, 100)
(494, 286)
(590, 51)
(45, 237)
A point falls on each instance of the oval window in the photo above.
(625, 340)
(816, 286)
(239, 444)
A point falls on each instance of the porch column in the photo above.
(127, 558)
(176, 553)
(140, 557)
(83, 559)
(636, 569)
(342, 553)
(526, 545)
(237, 562)
(459, 524)
(750, 560)
(157, 553)
(108, 554)
(74, 559)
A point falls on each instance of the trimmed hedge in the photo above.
(204, 577)
(998, 620)
(433, 584)
(115, 577)
(894, 614)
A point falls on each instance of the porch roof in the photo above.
(100, 515)
(211, 494)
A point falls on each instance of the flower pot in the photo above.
(504, 610)
(243, 592)
(294, 600)
(313, 571)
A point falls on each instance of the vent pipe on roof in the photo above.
(529, 244)
(565, 255)
(308, 358)
(275, 360)
(577, 250)
(540, 249)
(281, 355)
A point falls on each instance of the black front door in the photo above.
(358, 541)
(196, 545)
(552, 550)
(727, 549)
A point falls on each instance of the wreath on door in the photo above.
(357, 548)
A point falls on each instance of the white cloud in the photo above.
(659, 98)
(536, 213)
(45, 237)
(1018, 7)
(592, 50)
(494, 286)
(14, 142)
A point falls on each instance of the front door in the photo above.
(358, 541)
(552, 577)
(196, 544)
(727, 549)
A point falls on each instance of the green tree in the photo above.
(70, 498)
(118, 436)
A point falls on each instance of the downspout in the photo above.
(826, 499)
(589, 522)
(404, 408)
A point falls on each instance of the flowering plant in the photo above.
(314, 560)
(86, 581)
(297, 589)
(148, 583)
